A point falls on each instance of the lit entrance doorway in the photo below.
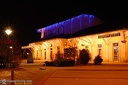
(115, 52)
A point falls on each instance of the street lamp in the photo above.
(8, 32)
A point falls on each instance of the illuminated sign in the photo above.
(109, 35)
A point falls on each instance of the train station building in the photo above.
(84, 31)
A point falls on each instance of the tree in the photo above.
(84, 56)
(70, 52)
(10, 51)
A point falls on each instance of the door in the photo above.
(115, 52)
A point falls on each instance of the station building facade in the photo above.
(82, 32)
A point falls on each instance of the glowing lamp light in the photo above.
(8, 31)
(10, 47)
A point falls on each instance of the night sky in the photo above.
(26, 16)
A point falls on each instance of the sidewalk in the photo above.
(31, 71)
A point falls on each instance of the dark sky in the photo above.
(26, 16)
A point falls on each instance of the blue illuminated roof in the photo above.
(66, 21)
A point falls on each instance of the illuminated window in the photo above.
(115, 51)
(58, 49)
(99, 49)
(45, 54)
(51, 53)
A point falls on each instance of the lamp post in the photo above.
(8, 32)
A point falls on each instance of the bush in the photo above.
(64, 62)
(2, 62)
(2, 66)
(98, 60)
(29, 61)
(84, 56)
(49, 63)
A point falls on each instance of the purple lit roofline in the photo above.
(66, 21)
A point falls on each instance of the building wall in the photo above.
(107, 46)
